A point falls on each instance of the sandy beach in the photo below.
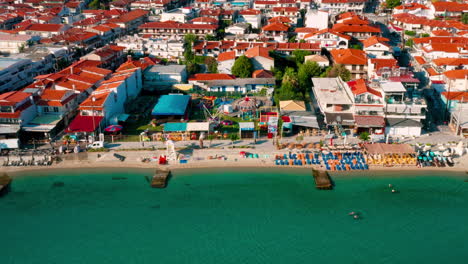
(199, 161)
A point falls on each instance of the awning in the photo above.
(9, 129)
(12, 143)
(305, 121)
(175, 127)
(370, 121)
(43, 123)
(84, 124)
(171, 104)
(198, 126)
(246, 126)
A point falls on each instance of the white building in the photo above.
(226, 61)
(316, 19)
(181, 15)
(252, 17)
(162, 76)
(237, 29)
(15, 73)
(13, 43)
(339, 6)
(260, 58)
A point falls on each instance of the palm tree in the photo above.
(210, 138)
(233, 138)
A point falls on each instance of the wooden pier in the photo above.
(322, 180)
(160, 178)
(5, 184)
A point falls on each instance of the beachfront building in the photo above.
(215, 82)
(335, 101)
(369, 105)
(404, 110)
(16, 108)
(164, 76)
(55, 110)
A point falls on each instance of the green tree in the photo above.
(409, 42)
(192, 67)
(391, 4)
(299, 55)
(289, 89)
(190, 38)
(464, 18)
(242, 67)
(233, 137)
(305, 72)
(364, 136)
(210, 138)
(212, 64)
(210, 37)
(338, 70)
(356, 46)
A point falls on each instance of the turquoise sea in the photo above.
(233, 216)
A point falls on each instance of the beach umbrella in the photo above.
(113, 128)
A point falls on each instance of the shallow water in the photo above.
(233, 216)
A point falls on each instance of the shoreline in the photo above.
(216, 164)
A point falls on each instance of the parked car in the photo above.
(227, 123)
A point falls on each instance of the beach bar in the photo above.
(389, 154)
(172, 106)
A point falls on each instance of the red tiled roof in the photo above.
(211, 76)
(441, 33)
(176, 25)
(450, 6)
(456, 96)
(456, 74)
(205, 20)
(12, 98)
(275, 27)
(432, 72)
(305, 30)
(230, 55)
(420, 60)
(450, 61)
(285, 9)
(130, 16)
(329, 31)
(262, 74)
(411, 6)
(359, 86)
(349, 56)
(342, 28)
(45, 27)
(84, 124)
(258, 52)
(279, 19)
(250, 12)
(49, 94)
(384, 63)
(374, 40)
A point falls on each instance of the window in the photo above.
(56, 109)
(46, 109)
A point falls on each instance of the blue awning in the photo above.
(171, 104)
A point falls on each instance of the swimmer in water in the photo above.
(356, 216)
(352, 213)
